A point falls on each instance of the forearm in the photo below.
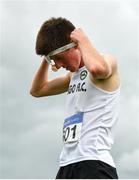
(40, 78)
(93, 60)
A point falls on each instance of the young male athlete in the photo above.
(92, 86)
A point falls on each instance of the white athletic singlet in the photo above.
(91, 114)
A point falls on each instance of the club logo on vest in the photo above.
(83, 74)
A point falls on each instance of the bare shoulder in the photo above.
(112, 61)
(113, 81)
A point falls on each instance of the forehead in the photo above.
(62, 49)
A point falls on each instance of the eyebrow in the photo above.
(55, 56)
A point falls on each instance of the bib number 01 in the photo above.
(72, 128)
(69, 131)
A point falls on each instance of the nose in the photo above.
(58, 64)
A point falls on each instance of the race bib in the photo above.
(72, 128)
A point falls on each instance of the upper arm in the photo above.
(55, 86)
(109, 69)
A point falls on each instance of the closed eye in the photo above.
(56, 58)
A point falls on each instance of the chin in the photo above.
(73, 69)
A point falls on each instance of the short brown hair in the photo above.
(53, 34)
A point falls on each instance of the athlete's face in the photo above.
(70, 59)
